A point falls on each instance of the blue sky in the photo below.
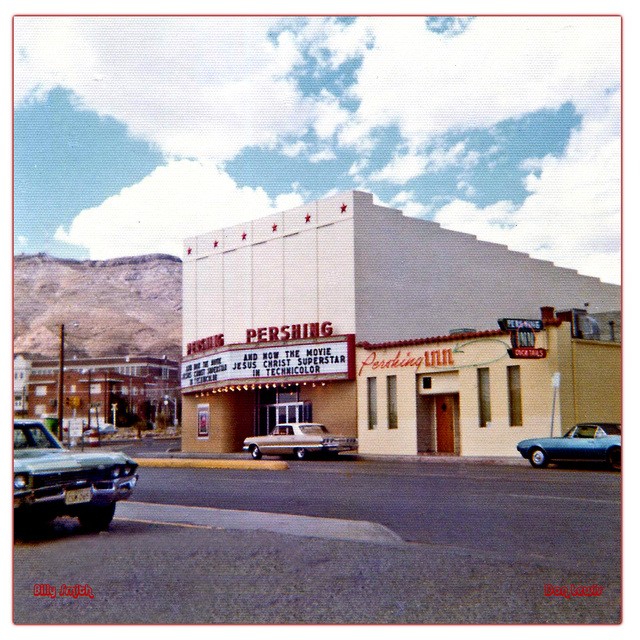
(132, 133)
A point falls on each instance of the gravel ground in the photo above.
(151, 573)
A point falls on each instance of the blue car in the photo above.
(593, 441)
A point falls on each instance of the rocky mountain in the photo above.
(120, 306)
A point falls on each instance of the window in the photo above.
(41, 390)
(392, 401)
(484, 399)
(372, 397)
(515, 396)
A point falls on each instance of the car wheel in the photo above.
(256, 454)
(301, 454)
(97, 518)
(538, 458)
(614, 458)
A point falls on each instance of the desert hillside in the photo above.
(121, 306)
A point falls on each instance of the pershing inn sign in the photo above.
(330, 358)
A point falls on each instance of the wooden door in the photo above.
(445, 424)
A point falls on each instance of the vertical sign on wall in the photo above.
(203, 421)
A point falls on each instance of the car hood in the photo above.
(40, 460)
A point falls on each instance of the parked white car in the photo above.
(299, 439)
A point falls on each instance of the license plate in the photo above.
(76, 496)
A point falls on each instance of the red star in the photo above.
(307, 218)
(343, 208)
(189, 251)
(274, 228)
(244, 236)
(215, 244)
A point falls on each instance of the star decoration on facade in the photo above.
(244, 236)
(215, 244)
(343, 208)
(307, 218)
(275, 227)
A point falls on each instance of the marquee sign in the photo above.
(319, 359)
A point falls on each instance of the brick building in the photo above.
(141, 386)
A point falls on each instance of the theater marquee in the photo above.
(319, 359)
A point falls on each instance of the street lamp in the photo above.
(168, 399)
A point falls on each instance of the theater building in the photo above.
(286, 316)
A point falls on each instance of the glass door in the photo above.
(284, 413)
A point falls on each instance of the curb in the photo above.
(188, 463)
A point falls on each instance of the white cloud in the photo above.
(401, 169)
(499, 68)
(294, 149)
(358, 166)
(412, 165)
(195, 87)
(207, 88)
(572, 215)
(322, 156)
(183, 199)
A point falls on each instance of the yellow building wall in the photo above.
(590, 389)
(334, 405)
(382, 440)
(598, 381)
(231, 418)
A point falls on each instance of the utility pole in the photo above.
(89, 402)
(61, 385)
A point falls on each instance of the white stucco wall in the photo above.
(369, 270)
(299, 272)
(415, 279)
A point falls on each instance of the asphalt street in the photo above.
(511, 511)
(421, 542)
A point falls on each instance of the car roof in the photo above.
(599, 424)
(27, 421)
(300, 424)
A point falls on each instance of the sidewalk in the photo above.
(419, 459)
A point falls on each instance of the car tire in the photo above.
(301, 454)
(538, 458)
(614, 458)
(256, 454)
(97, 518)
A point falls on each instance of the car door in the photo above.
(602, 442)
(287, 438)
(583, 444)
(282, 439)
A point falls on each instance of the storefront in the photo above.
(273, 310)
(244, 390)
(476, 395)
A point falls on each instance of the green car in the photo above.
(50, 481)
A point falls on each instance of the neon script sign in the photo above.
(434, 358)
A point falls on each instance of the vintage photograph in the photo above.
(317, 320)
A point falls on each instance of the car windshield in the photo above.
(312, 429)
(33, 436)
